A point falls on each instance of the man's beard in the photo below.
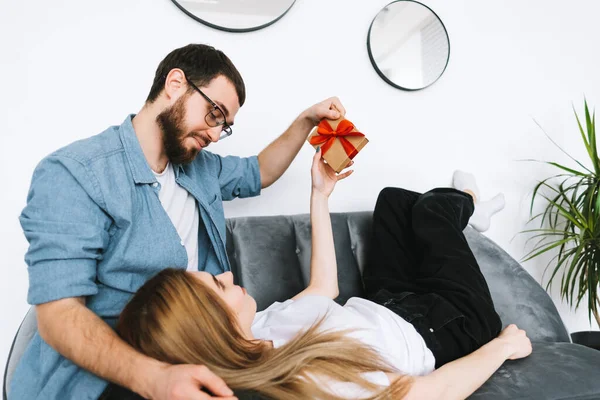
(171, 123)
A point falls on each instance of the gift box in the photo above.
(340, 141)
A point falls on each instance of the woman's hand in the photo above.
(324, 177)
(519, 345)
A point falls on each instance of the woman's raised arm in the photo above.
(323, 265)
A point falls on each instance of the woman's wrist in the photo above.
(503, 347)
(318, 195)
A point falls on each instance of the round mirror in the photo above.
(408, 45)
(235, 15)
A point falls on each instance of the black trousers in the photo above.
(421, 267)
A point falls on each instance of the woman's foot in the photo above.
(484, 210)
(481, 218)
(465, 182)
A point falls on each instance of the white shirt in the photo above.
(396, 340)
(182, 209)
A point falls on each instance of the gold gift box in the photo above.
(336, 156)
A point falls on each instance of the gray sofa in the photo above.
(270, 257)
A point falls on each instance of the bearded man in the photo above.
(106, 213)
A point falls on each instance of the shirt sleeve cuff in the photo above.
(254, 171)
(59, 279)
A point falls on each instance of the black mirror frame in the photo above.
(232, 30)
(380, 73)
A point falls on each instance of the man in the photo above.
(105, 213)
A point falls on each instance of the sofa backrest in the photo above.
(270, 257)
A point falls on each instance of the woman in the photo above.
(429, 330)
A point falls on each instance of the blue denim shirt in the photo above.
(96, 228)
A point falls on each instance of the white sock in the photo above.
(480, 220)
(465, 181)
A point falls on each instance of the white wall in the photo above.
(69, 69)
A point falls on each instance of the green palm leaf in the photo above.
(569, 225)
(561, 149)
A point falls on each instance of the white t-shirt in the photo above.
(396, 340)
(182, 209)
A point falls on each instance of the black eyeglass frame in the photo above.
(227, 131)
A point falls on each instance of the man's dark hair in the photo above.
(201, 64)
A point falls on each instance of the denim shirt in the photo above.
(96, 228)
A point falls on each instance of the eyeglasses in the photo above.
(216, 116)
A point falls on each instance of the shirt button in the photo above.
(430, 329)
(155, 184)
(183, 244)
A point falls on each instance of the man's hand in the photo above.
(331, 108)
(519, 345)
(277, 157)
(183, 382)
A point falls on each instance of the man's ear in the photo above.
(175, 84)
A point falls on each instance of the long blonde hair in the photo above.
(174, 317)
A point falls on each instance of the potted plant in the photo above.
(570, 223)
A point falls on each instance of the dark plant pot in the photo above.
(587, 338)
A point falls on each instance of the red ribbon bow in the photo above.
(327, 135)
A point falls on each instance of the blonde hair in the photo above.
(176, 318)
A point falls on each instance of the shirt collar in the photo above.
(141, 171)
(137, 161)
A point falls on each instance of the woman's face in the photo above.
(236, 297)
